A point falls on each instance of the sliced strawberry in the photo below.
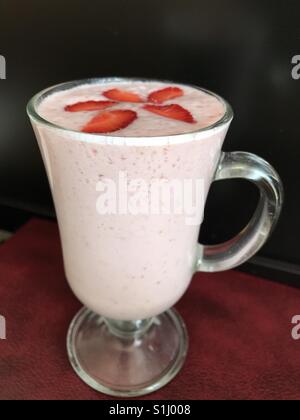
(166, 94)
(109, 121)
(122, 96)
(89, 106)
(174, 111)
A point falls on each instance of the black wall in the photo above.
(240, 49)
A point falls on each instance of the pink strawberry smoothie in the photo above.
(205, 109)
(126, 266)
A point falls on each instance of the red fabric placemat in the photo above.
(239, 326)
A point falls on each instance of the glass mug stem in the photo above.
(243, 246)
(129, 329)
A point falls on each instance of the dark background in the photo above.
(240, 49)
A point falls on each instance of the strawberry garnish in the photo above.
(110, 121)
(174, 111)
(122, 96)
(166, 94)
(89, 106)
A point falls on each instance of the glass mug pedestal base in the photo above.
(127, 359)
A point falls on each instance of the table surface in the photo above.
(240, 330)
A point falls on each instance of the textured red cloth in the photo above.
(239, 325)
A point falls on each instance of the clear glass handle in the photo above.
(242, 247)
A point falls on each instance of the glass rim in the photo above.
(115, 139)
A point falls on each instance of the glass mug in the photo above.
(129, 269)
